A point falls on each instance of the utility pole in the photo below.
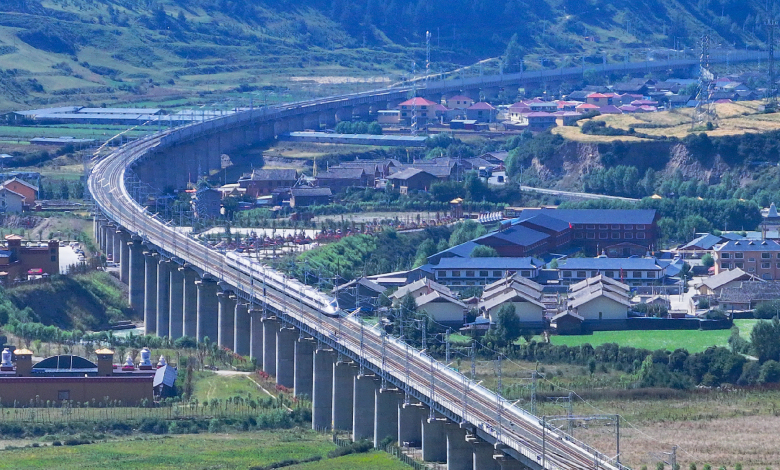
(771, 97)
(473, 360)
(499, 402)
(427, 56)
(413, 127)
(447, 346)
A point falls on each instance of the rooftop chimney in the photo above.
(23, 362)
(105, 362)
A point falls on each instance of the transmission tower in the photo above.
(427, 56)
(704, 112)
(771, 92)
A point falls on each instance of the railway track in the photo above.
(444, 389)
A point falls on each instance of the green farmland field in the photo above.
(201, 451)
(692, 340)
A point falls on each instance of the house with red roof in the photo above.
(518, 111)
(482, 112)
(600, 99)
(424, 108)
(585, 107)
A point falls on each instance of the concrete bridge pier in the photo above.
(285, 356)
(163, 298)
(135, 276)
(434, 440)
(175, 301)
(100, 234)
(327, 120)
(296, 124)
(281, 126)
(270, 327)
(361, 112)
(207, 310)
(366, 387)
(124, 256)
(410, 418)
(265, 132)
(344, 375)
(150, 292)
(322, 391)
(304, 363)
(226, 318)
(483, 455)
(95, 227)
(256, 335)
(460, 455)
(242, 325)
(344, 114)
(117, 248)
(386, 414)
(311, 121)
(110, 230)
(190, 302)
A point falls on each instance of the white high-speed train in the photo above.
(274, 279)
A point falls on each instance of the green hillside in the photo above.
(178, 52)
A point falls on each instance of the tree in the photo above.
(465, 231)
(507, 327)
(708, 261)
(483, 251)
(374, 128)
(513, 56)
(765, 338)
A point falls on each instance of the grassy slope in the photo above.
(101, 51)
(81, 301)
(196, 452)
(211, 451)
(211, 386)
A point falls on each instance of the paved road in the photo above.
(575, 195)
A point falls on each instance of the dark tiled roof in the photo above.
(404, 175)
(596, 216)
(273, 175)
(749, 245)
(310, 192)
(460, 251)
(517, 235)
(341, 173)
(612, 264)
(488, 263)
(544, 220)
(704, 242)
(439, 171)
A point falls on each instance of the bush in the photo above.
(354, 448)
(767, 310)
(770, 372)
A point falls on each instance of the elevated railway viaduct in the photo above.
(359, 379)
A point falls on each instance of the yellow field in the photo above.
(733, 119)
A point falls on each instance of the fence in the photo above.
(56, 413)
(393, 450)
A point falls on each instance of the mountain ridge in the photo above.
(109, 50)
